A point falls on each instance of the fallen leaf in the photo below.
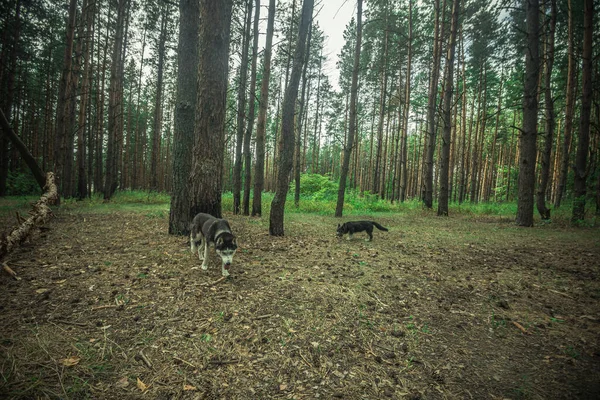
(141, 385)
(315, 344)
(283, 386)
(40, 291)
(61, 281)
(69, 362)
(123, 382)
(189, 387)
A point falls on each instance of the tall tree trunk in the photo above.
(431, 108)
(10, 49)
(382, 105)
(115, 125)
(528, 137)
(569, 111)
(251, 112)
(206, 177)
(549, 103)
(352, 123)
(185, 107)
(581, 167)
(448, 90)
(87, 12)
(62, 109)
(404, 139)
(190, 81)
(158, 103)
(241, 111)
(287, 125)
(259, 167)
(301, 111)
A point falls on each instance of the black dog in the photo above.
(358, 226)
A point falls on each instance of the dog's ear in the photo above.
(234, 240)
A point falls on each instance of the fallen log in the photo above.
(40, 214)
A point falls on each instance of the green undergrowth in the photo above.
(320, 200)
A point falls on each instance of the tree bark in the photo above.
(115, 125)
(528, 137)
(158, 103)
(569, 111)
(404, 138)
(581, 168)
(549, 105)
(287, 125)
(62, 108)
(301, 112)
(448, 90)
(259, 167)
(352, 123)
(241, 110)
(206, 177)
(251, 112)
(185, 106)
(431, 107)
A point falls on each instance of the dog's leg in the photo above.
(205, 259)
(193, 246)
(349, 236)
(224, 272)
(200, 249)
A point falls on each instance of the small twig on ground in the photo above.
(141, 356)
(305, 360)
(554, 291)
(185, 362)
(62, 321)
(222, 362)
(221, 279)
(521, 328)
(9, 271)
(264, 316)
(104, 306)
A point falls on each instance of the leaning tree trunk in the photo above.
(528, 137)
(448, 89)
(185, 106)
(581, 170)
(259, 166)
(352, 123)
(206, 177)
(251, 112)
(241, 110)
(286, 155)
(549, 104)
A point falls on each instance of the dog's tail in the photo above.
(381, 228)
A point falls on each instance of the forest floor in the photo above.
(112, 307)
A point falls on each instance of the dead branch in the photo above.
(8, 270)
(521, 328)
(141, 356)
(40, 214)
(221, 279)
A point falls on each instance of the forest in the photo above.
(98, 92)
(468, 131)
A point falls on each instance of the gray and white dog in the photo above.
(207, 230)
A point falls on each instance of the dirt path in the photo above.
(111, 307)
